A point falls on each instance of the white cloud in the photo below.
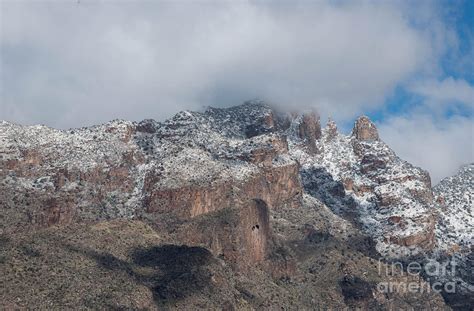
(446, 91)
(439, 146)
(67, 64)
(72, 64)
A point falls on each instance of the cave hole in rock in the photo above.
(256, 227)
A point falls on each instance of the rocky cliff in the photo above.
(122, 169)
(282, 204)
(455, 235)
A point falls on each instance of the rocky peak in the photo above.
(331, 129)
(310, 130)
(147, 126)
(365, 130)
(250, 119)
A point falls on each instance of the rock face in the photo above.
(455, 197)
(187, 165)
(361, 177)
(279, 186)
(331, 130)
(365, 130)
(241, 236)
(246, 187)
(310, 130)
(455, 232)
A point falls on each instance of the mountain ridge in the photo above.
(226, 178)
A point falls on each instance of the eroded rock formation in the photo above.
(246, 185)
(365, 130)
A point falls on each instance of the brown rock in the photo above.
(348, 184)
(359, 190)
(278, 186)
(310, 130)
(424, 238)
(331, 130)
(241, 235)
(365, 130)
(371, 163)
(265, 153)
(395, 219)
(441, 200)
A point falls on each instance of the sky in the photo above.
(408, 65)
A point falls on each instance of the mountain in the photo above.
(231, 208)
(455, 234)
(455, 196)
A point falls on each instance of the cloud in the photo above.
(436, 133)
(439, 146)
(66, 64)
(72, 64)
(446, 91)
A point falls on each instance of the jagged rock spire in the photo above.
(364, 129)
(310, 130)
(331, 129)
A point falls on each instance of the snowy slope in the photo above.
(455, 196)
(389, 197)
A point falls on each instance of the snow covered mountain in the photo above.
(455, 195)
(258, 171)
(455, 233)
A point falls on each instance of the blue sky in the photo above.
(456, 63)
(409, 65)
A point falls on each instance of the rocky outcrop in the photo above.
(331, 130)
(310, 130)
(263, 125)
(239, 235)
(454, 231)
(361, 177)
(263, 151)
(279, 186)
(216, 180)
(197, 163)
(424, 239)
(125, 169)
(455, 196)
(365, 130)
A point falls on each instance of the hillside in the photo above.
(234, 208)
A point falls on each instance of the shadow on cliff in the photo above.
(171, 272)
(319, 183)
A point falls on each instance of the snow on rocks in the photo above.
(356, 175)
(106, 170)
(455, 197)
(371, 184)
